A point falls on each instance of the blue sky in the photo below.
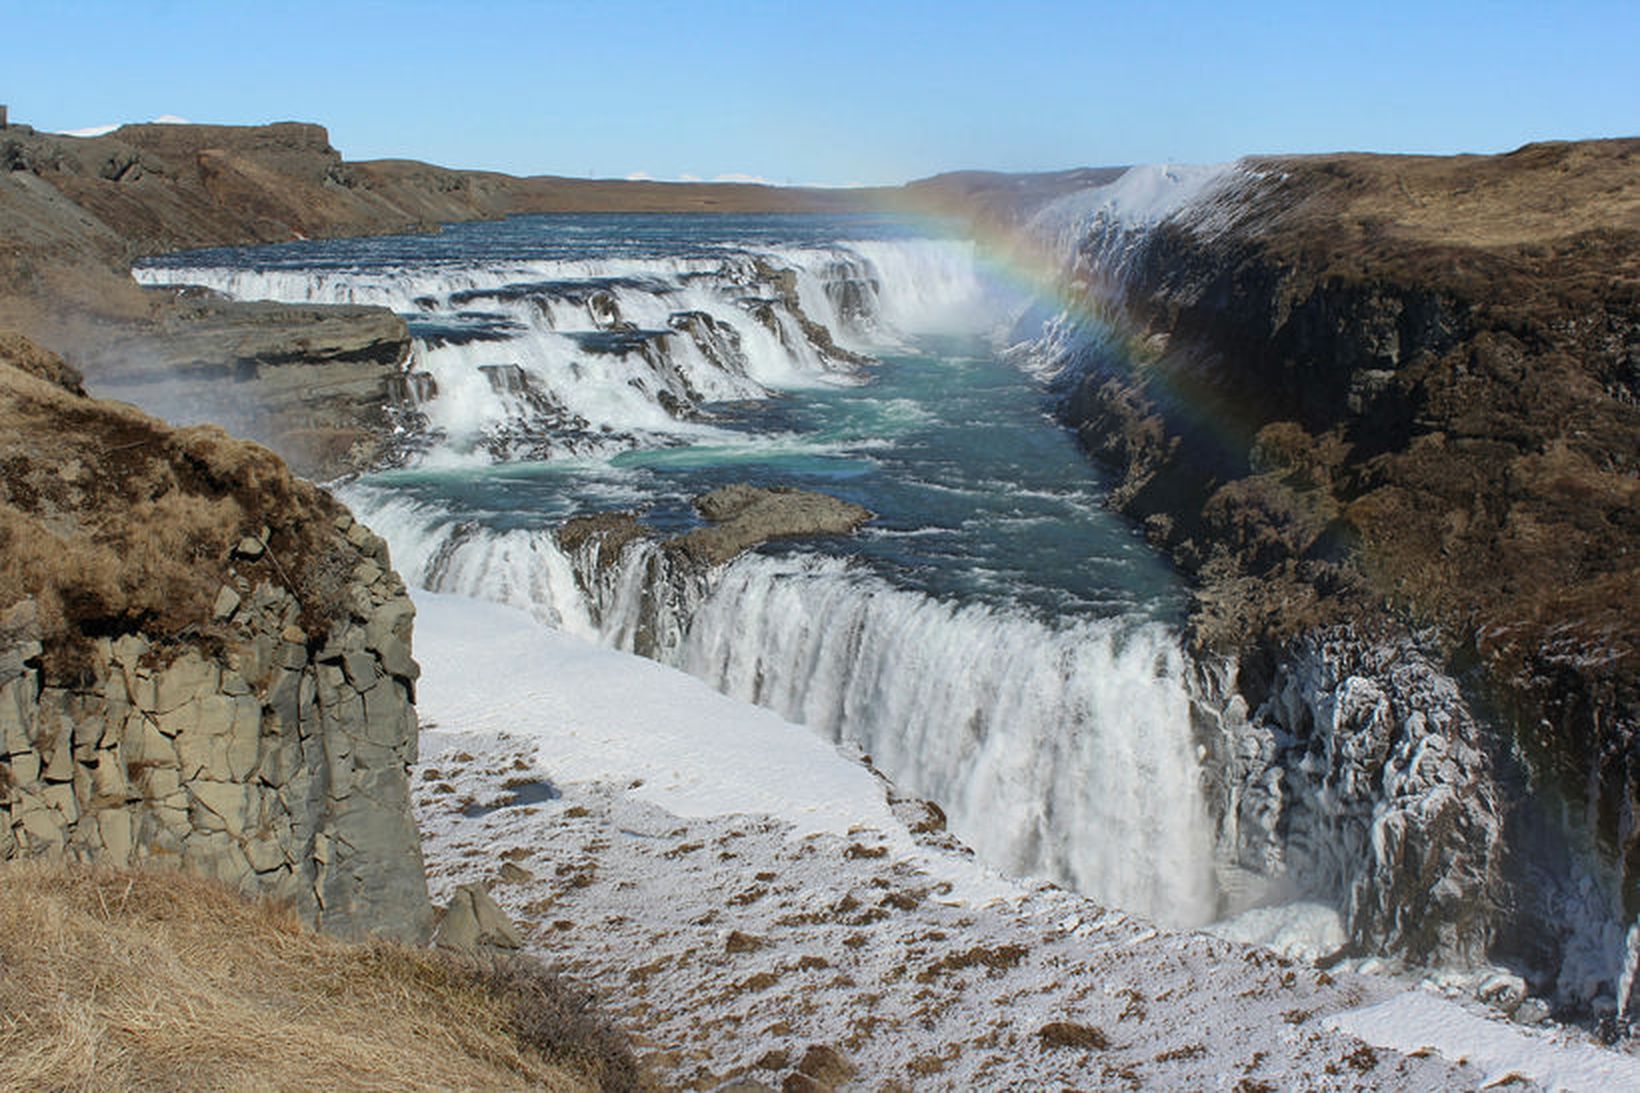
(837, 92)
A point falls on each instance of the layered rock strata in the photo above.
(204, 663)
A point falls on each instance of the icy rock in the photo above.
(1505, 992)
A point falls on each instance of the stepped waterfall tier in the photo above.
(997, 640)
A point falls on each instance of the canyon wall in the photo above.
(204, 662)
(1372, 403)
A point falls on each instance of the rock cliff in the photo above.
(1388, 396)
(204, 662)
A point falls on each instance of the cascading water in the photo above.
(555, 348)
(1061, 751)
(1047, 746)
(995, 640)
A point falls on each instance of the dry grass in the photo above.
(123, 979)
(114, 522)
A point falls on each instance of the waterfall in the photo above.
(575, 356)
(1059, 751)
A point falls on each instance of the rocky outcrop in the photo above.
(204, 663)
(740, 517)
(744, 516)
(618, 558)
(323, 384)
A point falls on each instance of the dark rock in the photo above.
(1069, 1034)
(821, 1068)
(612, 531)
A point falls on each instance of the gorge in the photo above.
(1334, 630)
(1334, 758)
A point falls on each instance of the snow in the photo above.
(1108, 225)
(1147, 194)
(622, 718)
(737, 891)
(1419, 1021)
(1306, 931)
(104, 130)
(88, 131)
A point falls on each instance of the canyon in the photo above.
(1379, 411)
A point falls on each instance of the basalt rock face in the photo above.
(204, 663)
(1392, 395)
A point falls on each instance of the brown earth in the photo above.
(114, 522)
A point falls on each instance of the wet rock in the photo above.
(1362, 777)
(609, 531)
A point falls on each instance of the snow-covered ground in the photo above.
(740, 892)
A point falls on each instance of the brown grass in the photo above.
(112, 521)
(153, 979)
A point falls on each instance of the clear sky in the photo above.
(834, 91)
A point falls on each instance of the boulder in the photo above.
(472, 922)
(745, 516)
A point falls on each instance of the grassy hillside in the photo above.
(156, 980)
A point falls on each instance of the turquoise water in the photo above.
(978, 493)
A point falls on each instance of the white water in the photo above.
(1057, 751)
(522, 382)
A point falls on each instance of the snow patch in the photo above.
(1305, 931)
(1419, 1022)
(618, 717)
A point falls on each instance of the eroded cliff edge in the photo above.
(204, 662)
